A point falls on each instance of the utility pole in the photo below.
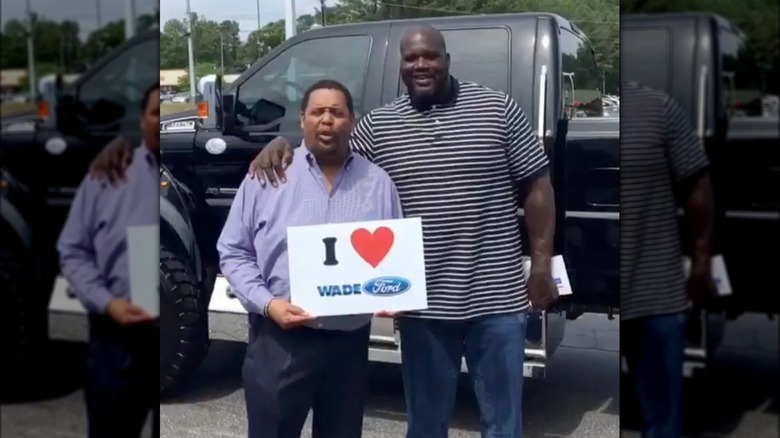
(322, 12)
(222, 52)
(259, 34)
(97, 14)
(31, 54)
(290, 19)
(193, 94)
(129, 19)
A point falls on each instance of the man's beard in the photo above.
(422, 101)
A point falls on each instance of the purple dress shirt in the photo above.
(253, 244)
(93, 243)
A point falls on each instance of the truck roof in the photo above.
(453, 19)
(720, 20)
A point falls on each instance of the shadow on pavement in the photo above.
(57, 373)
(218, 375)
(737, 396)
(580, 389)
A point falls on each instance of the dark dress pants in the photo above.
(287, 373)
(121, 378)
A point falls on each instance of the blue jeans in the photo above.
(431, 353)
(654, 348)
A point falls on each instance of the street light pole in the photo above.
(31, 54)
(290, 19)
(129, 19)
(259, 41)
(190, 52)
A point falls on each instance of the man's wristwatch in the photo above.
(265, 308)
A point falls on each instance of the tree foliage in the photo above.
(597, 18)
(757, 18)
(59, 44)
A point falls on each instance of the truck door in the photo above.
(591, 173)
(268, 101)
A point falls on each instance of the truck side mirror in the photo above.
(49, 101)
(210, 108)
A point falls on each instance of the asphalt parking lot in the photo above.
(579, 398)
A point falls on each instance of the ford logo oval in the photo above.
(386, 286)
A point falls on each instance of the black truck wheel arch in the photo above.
(184, 338)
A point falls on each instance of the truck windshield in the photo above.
(110, 97)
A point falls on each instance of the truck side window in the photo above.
(743, 81)
(270, 100)
(478, 55)
(113, 93)
(584, 97)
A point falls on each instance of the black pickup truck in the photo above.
(706, 63)
(205, 154)
(43, 158)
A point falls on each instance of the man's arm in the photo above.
(530, 168)
(112, 161)
(77, 253)
(690, 167)
(237, 256)
(362, 139)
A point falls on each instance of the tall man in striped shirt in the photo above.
(457, 151)
(662, 165)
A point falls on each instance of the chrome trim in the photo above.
(542, 102)
(759, 215)
(702, 102)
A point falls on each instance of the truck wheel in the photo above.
(24, 315)
(184, 337)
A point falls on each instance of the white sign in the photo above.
(143, 251)
(357, 268)
(559, 274)
(719, 274)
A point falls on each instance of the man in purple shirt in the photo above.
(295, 362)
(122, 361)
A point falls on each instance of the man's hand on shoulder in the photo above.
(269, 165)
(111, 163)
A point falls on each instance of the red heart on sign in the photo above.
(372, 247)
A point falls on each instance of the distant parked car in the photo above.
(181, 98)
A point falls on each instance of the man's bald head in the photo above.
(426, 35)
(425, 65)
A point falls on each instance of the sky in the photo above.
(82, 11)
(242, 11)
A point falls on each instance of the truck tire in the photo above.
(184, 337)
(24, 315)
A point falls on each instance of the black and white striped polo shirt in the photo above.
(456, 166)
(659, 153)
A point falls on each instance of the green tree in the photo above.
(201, 70)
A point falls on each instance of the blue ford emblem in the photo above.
(386, 286)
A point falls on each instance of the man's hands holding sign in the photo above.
(288, 315)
